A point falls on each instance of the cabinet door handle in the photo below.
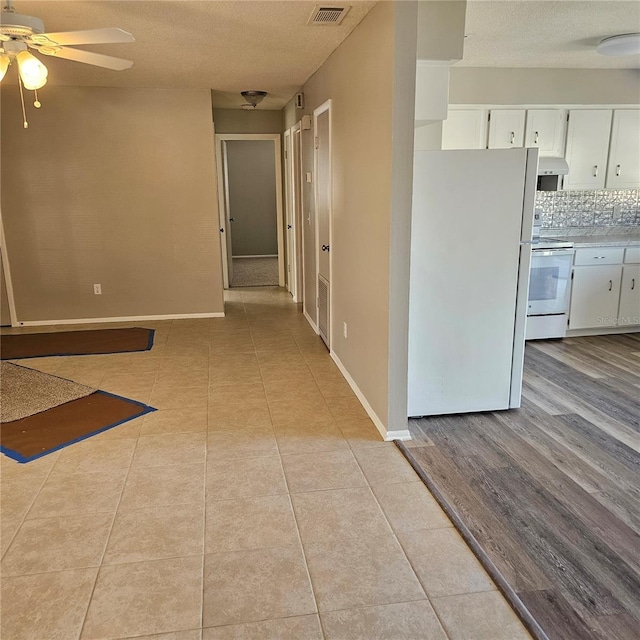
(633, 284)
(512, 137)
(535, 138)
(610, 285)
(595, 170)
(617, 169)
(599, 257)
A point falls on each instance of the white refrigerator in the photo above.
(470, 257)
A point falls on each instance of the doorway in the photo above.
(250, 203)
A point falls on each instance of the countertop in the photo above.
(603, 241)
(596, 237)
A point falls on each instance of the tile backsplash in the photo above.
(605, 208)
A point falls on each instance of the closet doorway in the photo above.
(250, 203)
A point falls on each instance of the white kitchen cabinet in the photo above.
(623, 170)
(465, 129)
(595, 294)
(629, 310)
(587, 148)
(506, 128)
(546, 129)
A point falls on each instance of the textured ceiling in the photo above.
(225, 46)
(556, 33)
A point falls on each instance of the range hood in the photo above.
(549, 166)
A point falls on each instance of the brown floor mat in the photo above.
(33, 437)
(75, 343)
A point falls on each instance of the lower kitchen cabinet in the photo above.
(629, 311)
(595, 295)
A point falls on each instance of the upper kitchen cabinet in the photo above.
(623, 171)
(587, 148)
(546, 129)
(465, 129)
(506, 128)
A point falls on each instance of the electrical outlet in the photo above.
(344, 329)
(97, 289)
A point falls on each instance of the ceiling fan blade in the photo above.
(88, 57)
(88, 36)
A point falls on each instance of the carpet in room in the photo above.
(75, 343)
(255, 272)
(25, 392)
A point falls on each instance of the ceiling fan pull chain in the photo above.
(25, 124)
(37, 104)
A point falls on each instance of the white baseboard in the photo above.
(177, 316)
(400, 434)
(608, 331)
(314, 326)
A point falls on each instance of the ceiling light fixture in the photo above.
(253, 98)
(627, 44)
(32, 72)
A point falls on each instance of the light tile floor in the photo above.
(259, 502)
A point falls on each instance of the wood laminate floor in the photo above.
(551, 491)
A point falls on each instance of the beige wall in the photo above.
(363, 81)
(111, 186)
(244, 121)
(470, 85)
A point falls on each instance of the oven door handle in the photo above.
(542, 253)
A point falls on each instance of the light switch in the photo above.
(308, 176)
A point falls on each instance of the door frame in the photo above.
(7, 275)
(223, 210)
(318, 111)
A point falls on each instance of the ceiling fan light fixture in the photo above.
(32, 72)
(626, 44)
(4, 64)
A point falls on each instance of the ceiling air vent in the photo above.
(328, 15)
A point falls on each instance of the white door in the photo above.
(623, 171)
(546, 130)
(322, 128)
(587, 148)
(289, 214)
(506, 128)
(595, 293)
(297, 208)
(465, 129)
(629, 312)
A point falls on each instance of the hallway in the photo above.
(258, 502)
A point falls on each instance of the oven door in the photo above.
(549, 281)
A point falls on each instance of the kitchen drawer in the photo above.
(598, 256)
(632, 255)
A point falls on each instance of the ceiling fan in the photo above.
(19, 33)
